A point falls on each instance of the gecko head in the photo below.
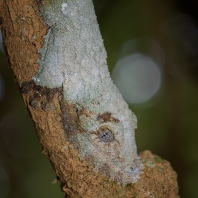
(110, 141)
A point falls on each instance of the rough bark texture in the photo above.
(23, 32)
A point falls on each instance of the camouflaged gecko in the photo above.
(73, 57)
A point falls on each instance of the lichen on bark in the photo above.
(73, 57)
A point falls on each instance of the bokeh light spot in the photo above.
(137, 77)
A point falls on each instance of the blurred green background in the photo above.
(152, 51)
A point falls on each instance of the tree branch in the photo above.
(84, 126)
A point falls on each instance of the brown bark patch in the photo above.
(23, 30)
(70, 119)
(106, 117)
(85, 112)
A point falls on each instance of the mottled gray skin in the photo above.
(73, 56)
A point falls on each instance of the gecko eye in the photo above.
(132, 168)
(106, 135)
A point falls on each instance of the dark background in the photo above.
(166, 31)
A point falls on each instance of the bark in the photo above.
(58, 118)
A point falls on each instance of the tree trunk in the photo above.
(83, 125)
